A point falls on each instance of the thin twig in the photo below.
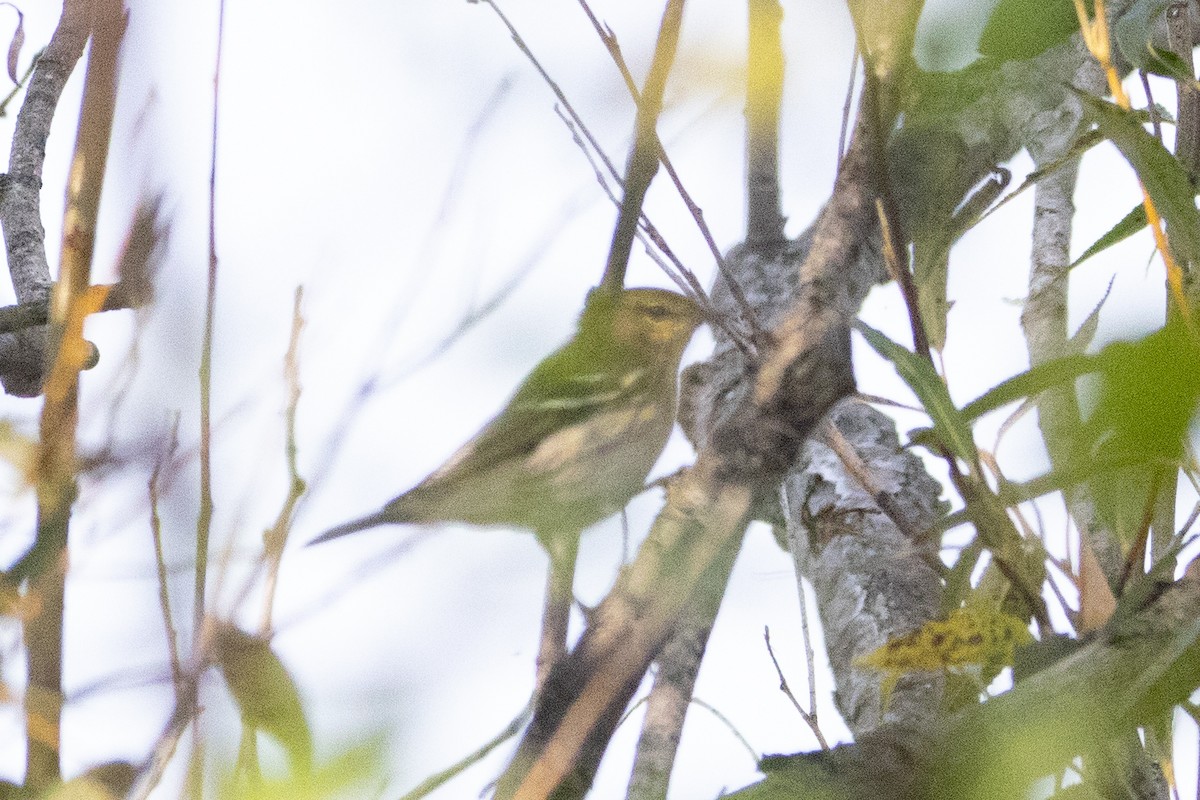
(276, 537)
(859, 470)
(684, 278)
(904, 280)
(657, 248)
(809, 718)
(847, 106)
(614, 49)
(433, 782)
(1155, 117)
(160, 562)
(205, 515)
(728, 723)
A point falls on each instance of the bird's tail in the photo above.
(370, 521)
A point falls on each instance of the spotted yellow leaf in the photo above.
(968, 637)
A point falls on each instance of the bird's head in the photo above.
(655, 322)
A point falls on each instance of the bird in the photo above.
(573, 445)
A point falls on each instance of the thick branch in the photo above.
(775, 408)
(22, 358)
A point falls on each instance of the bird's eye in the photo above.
(657, 312)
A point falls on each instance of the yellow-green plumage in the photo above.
(579, 436)
(573, 445)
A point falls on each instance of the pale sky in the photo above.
(404, 163)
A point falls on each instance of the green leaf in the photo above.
(1168, 65)
(264, 692)
(950, 426)
(1169, 679)
(1146, 397)
(1162, 175)
(1020, 29)
(1134, 32)
(1082, 339)
(1130, 224)
(1030, 383)
(354, 772)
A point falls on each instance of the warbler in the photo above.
(573, 445)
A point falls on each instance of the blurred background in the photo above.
(404, 164)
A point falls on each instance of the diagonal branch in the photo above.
(643, 159)
(771, 414)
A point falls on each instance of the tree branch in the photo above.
(643, 159)
(22, 359)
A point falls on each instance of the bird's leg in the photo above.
(560, 596)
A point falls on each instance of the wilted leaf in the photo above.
(138, 262)
(971, 636)
(15, 44)
(1096, 600)
(264, 692)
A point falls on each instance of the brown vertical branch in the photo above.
(73, 299)
(643, 159)
(22, 356)
(204, 517)
(1187, 132)
(764, 93)
(681, 657)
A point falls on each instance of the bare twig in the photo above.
(204, 519)
(657, 248)
(434, 782)
(904, 280)
(164, 596)
(613, 47)
(848, 105)
(276, 536)
(809, 717)
(862, 473)
(683, 277)
(205, 515)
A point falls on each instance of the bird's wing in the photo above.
(565, 389)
